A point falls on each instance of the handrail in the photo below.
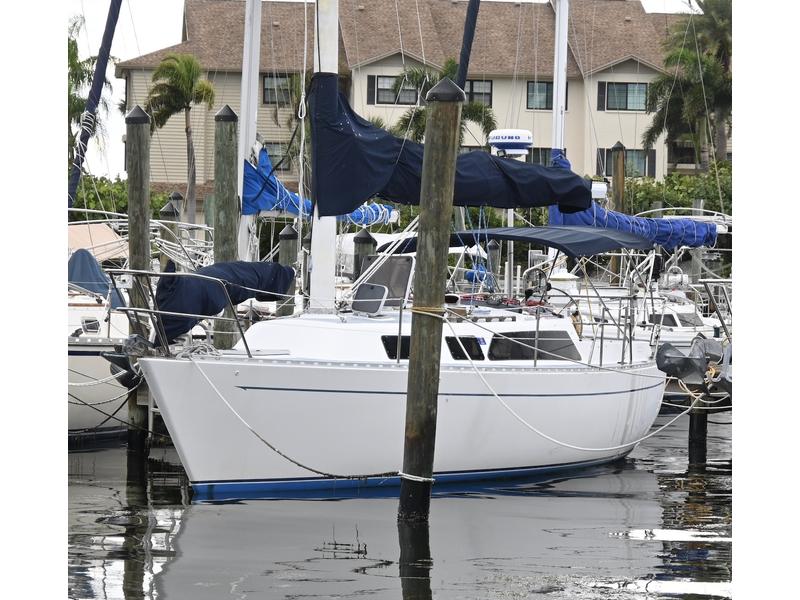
(157, 312)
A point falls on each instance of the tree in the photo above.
(696, 91)
(177, 86)
(412, 123)
(79, 79)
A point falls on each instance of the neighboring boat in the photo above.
(95, 396)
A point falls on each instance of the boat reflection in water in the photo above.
(645, 524)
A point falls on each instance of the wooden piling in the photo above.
(617, 195)
(493, 258)
(226, 209)
(436, 206)
(137, 125)
(698, 432)
(169, 215)
(287, 256)
(363, 245)
(415, 560)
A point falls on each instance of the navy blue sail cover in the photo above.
(353, 161)
(84, 271)
(573, 241)
(203, 297)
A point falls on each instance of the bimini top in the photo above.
(354, 161)
(572, 240)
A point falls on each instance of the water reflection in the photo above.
(645, 525)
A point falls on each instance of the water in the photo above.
(647, 527)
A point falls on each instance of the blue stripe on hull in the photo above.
(373, 487)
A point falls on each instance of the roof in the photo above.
(99, 239)
(510, 37)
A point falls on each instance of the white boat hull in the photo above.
(348, 418)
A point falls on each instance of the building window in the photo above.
(638, 163)
(478, 90)
(626, 96)
(276, 90)
(540, 95)
(386, 95)
(277, 152)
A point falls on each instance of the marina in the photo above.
(368, 316)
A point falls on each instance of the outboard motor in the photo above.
(694, 368)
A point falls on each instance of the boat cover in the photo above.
(263, 191)
(85, 272)
(572, 240)
(668, 233)
(353, 161)
(199, 296)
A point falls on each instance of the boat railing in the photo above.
(141, 282)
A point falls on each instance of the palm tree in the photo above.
(79, 79)
(176, 87)
(412, 123)
(696, 91)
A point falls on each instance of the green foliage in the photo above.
(681, 190)
(79, 80)
(101, 193)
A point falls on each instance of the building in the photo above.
(614, 51)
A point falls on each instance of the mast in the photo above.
(323, 229)
(561, 8)
(88, 116)
(249, 113)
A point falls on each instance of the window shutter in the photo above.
(600, 163)
(601, 95)
(370, 89)
(651, 163)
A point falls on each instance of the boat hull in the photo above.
(90, 403)
(348, 419)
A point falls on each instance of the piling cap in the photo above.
(446, 91)
(288, 233)
(617, 146)
(307, 240)
(364, 237)
(137, 116)
(226, 114)
(493, 244)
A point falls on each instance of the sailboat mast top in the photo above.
(560, 72)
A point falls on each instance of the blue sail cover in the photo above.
(203, 297)
(84, 271)
(263, 191)
(353, 161)
(668, 233)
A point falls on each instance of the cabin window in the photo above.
(690, 320)
(90, 325)
(626, 96)
(478, 90)
(390, 345)
(669, 320)
(276, 90)
(470, 343)
(522, 345)
(386, 95)
(540, 95)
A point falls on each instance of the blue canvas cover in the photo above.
(85, 272)
(203, 297)
(668, 233)
(353, 161)
(263, 191)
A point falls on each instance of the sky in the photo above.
(148, 25)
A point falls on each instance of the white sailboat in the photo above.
(317, 400)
